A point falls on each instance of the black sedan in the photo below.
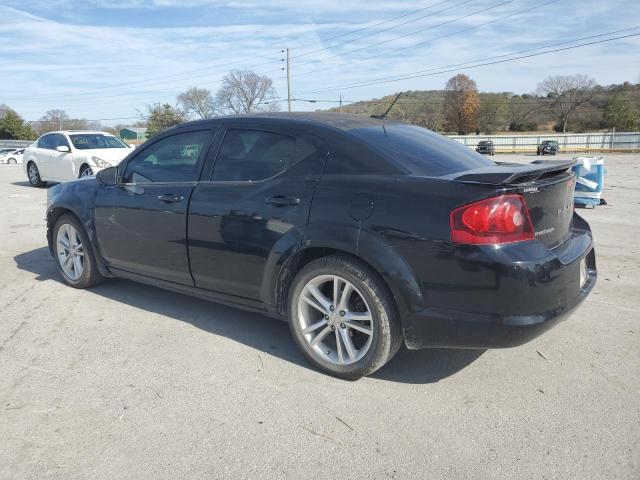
(548, 147)
(362, 234)
(486, 147)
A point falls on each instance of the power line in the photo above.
(411, 75)
(386, 29)
(375, 24)
(462, 64)
(414, 32)
(145, 83)
(431, 40)
(185, 74)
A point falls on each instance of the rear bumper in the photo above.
(524, 299)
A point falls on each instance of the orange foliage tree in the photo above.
(461, 104)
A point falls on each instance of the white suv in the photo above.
(71, 154)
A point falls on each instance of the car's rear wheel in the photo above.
(34, 176)
(343, 318)
(85, 171)
(12, 161)
(74, 254)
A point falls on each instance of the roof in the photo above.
(99, 132)
(135, 129)
(342, 121)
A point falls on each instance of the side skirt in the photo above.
(224, 299)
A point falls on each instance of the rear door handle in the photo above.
(282, 200)
(170, 198)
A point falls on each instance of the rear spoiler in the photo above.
(512, 173)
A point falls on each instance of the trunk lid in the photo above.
(547, 188)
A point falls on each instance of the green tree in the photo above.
(162, 116)
(13, 126)
(619, 114)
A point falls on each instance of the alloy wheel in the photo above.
(70, 251)
(34, 176)
(87, 172)
(335, 320)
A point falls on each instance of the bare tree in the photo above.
(244, 91)
(54, 119)
(566, 94)
(197, 102)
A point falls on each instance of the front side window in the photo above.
(59, 140)
(93, 141)
(47, 142)
(173, 159)
(252, 155)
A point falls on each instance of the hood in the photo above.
(112, 155)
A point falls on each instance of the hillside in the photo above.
(613, 106)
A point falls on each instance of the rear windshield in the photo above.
(91, 141)
(486, 143)
(420, 151)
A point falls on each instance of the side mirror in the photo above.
(63, 149)
(108, 176)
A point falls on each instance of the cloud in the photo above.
(94, 67)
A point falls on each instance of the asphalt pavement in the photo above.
(129, 381)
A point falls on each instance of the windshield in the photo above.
(550, 142)
(485, 143)
(91, 141)
(420, 151)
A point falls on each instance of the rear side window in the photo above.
(252, 155)
(419, 151)
(173, 159)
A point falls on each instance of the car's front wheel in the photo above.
(85, 171)
(343, 318)
(74, 254)
(34, 176)
(12, 161)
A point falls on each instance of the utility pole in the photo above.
(341, 103)
(288, 82)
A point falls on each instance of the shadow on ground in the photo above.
(251, 329)
(27, 184)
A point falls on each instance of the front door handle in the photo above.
(170, 198)
(282, 200)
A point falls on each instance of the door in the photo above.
(141, 222)
(59, 164)
(255, 206)
(44, 154)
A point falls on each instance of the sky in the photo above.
(107, 59)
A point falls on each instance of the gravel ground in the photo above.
(128, 381)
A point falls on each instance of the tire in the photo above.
(366, 345)
(34, 175)
(12, 161)
(85, 171)
(80, 273)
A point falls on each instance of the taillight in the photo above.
(502, 219)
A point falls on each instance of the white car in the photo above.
(70, 154)
(13, 155)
